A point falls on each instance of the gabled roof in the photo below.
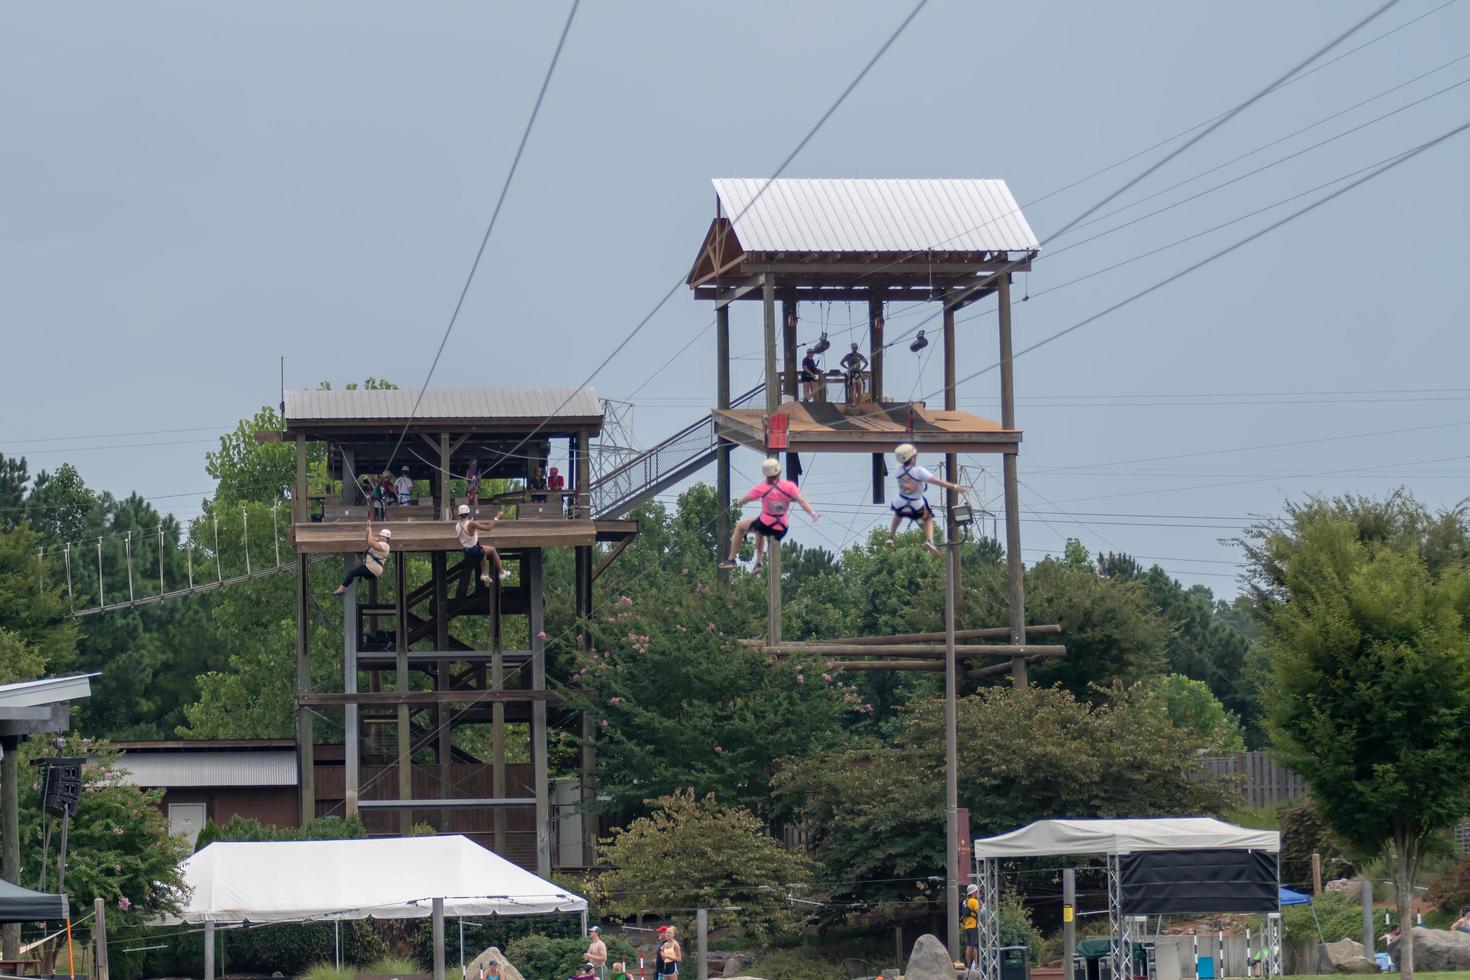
(397, 404)
(799, 215)
(1058, 837)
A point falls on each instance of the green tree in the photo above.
(1366, 607)
(690, 852)
(34, 620)
(1189, 704)
(14, 480)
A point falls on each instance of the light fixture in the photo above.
(920, 342)
(820, 347)
(963, 514)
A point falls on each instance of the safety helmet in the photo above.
(464, 510)
(771, 467)
(404, 470)
(385, 534)
(905, 452)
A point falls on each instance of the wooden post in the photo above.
(773, 403)
(442, 713)
(951, 402)
(497, 717)
(351, 733)
(539, 762)
(951, 680)
(401, 683)
(701, 929)
(99, 916)
(722, 449)
(1014, 568)
(305, 737)
(1316, 873)
(875, 365)
(10, 831)
(788, 349)
(301, 507)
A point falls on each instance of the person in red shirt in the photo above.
(776, 496)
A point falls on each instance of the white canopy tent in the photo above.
(1051, 838)
(1185, 858)
(381, 878)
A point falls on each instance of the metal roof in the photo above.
(46, 690)
(796, 215)
(444, 403)
(209, 767)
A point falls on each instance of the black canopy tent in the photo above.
(19, 904)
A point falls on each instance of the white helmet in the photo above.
(464, 510)
(771, 467)
(905, 452)
(385, 534)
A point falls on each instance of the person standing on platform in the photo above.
(472, 484)
(535, 483)
(557, 483)
(776, 497)
(385, 488)
(911, 504)
(811, 375)
(403, 486)
(468, 529)
(854, 363)
(373, 559)
(596, 949)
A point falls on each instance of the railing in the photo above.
(692, 447)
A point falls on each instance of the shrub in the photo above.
(1339, 917)
(391, 966)
(326, 971)
(499, 931)
(1450, 892)
(544, 958)
(797, 964)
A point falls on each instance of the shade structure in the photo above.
(19, 904)
(1050, 838)
(381, 878)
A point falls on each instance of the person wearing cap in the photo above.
(911, 504)
(373, 559)
(776, 496)
(472, 484)
(403, 486)
(468, 529)
(596, 953)
(669, 952)
(972, 925)
(854, 363)
(811, 374)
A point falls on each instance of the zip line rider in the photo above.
(373, 559)
(911, 504)
(469, 530)
(776, 496)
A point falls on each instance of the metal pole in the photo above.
(99, 915)
(1015, 571)
(461, 947)
(209, 950)
(1069, 921)
(1368, 918)
(722, 449)
(276, 532)
(128, 554)
(438, 939)
(773, 404)
(219, 559)
(66, 556)
(101, 598)
(41, 572)
(898, 948)
(701, 928)
(337, 941)
(189, 552)
(245, 533)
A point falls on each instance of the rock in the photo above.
(1346, 956)
(492, 955)
(1437, 949)
(929, 960)
(1348, 886)
(734, 963)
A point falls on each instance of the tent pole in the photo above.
(438, 939)
(209, 950)
(461, 947)
(1069, 921)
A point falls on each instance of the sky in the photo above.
(193, 191)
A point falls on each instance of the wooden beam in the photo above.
(913, 650)
(983, 633)
(611, 557)
(369, 699)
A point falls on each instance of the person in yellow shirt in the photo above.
(971, 917)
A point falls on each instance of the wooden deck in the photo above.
(340, 537)
(833, 428)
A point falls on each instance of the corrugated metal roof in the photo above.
(795, 215)
(443, 403)
(46, 690)
(208, 768)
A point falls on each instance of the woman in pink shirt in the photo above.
(776, 496)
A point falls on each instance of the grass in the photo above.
(388, 966)
(326, 971)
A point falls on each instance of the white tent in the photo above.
(384, 878)
(1056, 837)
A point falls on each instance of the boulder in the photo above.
(492, 955)
(1436, 949)
(734, 963)
(929, 960)
(1348, 886)
(1346, 956)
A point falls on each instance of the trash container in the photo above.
(1015, 963)
(1206, 969)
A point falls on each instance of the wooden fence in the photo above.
(1263, 780)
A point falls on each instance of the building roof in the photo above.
(487, 404)
(1050, 838)
(208, 767)
(799, 215)
(46, 690)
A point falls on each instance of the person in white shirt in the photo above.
(373, 559)
(403, 486)
(911, 504)
(469, 530)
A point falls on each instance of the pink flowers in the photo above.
(710, 628)
(117, 831)
(827, 677)
(718, 749)
(124, 904)
(800, 679)
(540, 634)
(117, 869)
(624, 600)
(614, 701)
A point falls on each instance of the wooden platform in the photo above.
(340, 537)
(876, 428)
